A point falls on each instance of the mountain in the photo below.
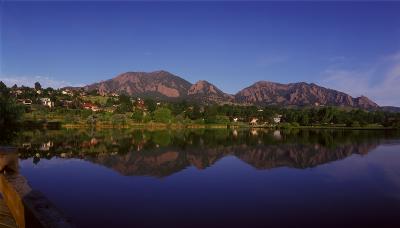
(390, 109)
(164, 85)
(158, 84)
(299, 94)
(206, 92)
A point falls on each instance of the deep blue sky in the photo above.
(354, 47)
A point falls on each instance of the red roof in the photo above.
(89, 105)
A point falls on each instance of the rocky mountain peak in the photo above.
(365, 102)
(203, 87)
(298, 94)
(155, 84)
(165, 85)
(206, 92)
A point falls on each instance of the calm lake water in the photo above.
(217, 178)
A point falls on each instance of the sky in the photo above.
(353, 47)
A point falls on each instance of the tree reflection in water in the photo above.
(164, 152)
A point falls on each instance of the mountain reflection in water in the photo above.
(161, 153)
(217, 178)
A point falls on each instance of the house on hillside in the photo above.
(47, 102)
(90, 106)
(253, 121)
(277, 118)
(25, 101)
(140, 104)
(46, 146)
(110, 109)
(67, 92)
(16, 92)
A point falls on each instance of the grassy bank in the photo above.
(55, 124)
(42, 118)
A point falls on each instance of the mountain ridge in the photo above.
(299, 94)
(165, 85)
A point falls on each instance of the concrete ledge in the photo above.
(36, 210)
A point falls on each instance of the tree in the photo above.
(10, 112)
(194, 112)
(137, 115)
(355, 124)
(38, 86)
(221, 119)
(396, 124)
(163, 115)
(150, 104)
(93, 92)
(305, 119)
(4, 91)
(125, 104)
(110, 102)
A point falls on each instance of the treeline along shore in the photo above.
(76, 108)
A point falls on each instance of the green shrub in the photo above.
(295, 124)
(355, 124)
(137, 115)
(217, 119)
(285, 125)
(162, 115)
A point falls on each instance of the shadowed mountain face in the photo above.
(299, 94)
(163, 153)
(164, 85)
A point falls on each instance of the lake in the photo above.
(217, 178)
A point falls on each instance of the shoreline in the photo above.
(212, 126)
(57, 125)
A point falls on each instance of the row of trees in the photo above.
(333, 115)
(10, 112)
(184, 111)
(223, 114)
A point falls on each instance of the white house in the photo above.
(90, 106)
(46, 146)
(67, 92)
(277, 119)
(254, 121)
(47, 102)
(25, 101)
